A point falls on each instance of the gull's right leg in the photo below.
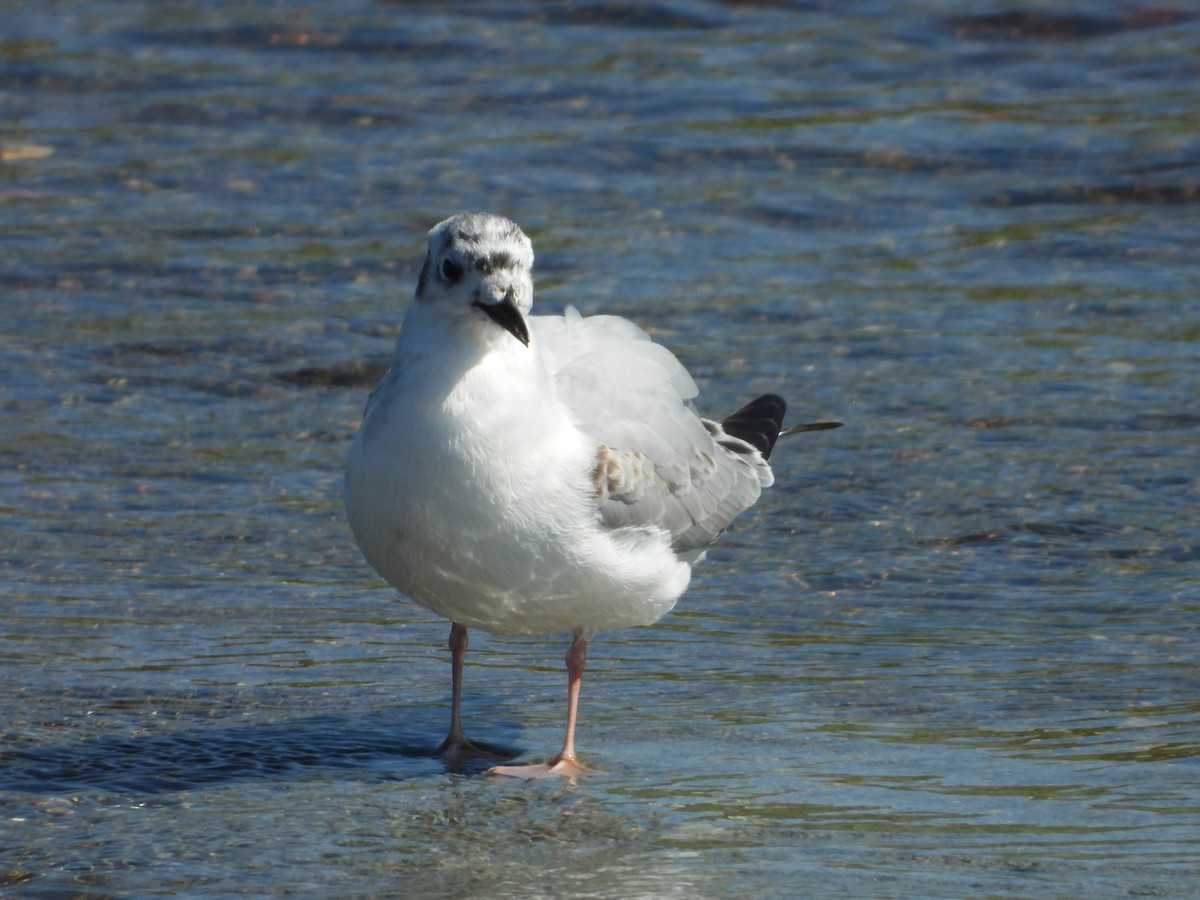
(456, 747)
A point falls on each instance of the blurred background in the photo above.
(953, 652)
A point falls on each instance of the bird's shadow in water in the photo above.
(193, 758)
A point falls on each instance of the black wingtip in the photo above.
(810, 426)
(757, 423)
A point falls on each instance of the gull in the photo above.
(528, 475)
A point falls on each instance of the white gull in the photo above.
(533, 474)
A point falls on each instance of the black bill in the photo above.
(507, 316)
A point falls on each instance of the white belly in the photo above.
(494, 525)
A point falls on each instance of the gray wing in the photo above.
(658, 463)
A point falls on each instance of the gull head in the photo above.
(479, 267)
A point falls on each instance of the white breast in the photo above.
(481, 506)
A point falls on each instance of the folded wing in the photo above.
(658, 463)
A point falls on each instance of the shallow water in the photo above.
(952, 652)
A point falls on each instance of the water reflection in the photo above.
(152, 763)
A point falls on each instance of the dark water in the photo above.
(952, 653)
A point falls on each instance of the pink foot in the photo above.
(566, 764)
(564, 767)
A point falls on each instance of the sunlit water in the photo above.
(952, 653)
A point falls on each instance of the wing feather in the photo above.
(658, 463)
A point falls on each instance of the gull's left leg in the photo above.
(566, 763)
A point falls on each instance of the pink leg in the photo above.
(566, 763)
(456, 746)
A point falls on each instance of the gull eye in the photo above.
(451, 270)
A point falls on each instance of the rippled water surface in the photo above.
(952, 653)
